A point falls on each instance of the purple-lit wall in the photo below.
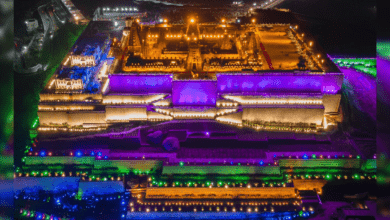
(194, 92)
(279, 83)
(204, 92)
(141, 84)
(332, 83)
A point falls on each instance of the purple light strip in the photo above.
(319, 199)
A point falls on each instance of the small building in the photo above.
(89, 50)
(32, 24)
(74, 78)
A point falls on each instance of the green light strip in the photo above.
(367, 66)
(383, 49)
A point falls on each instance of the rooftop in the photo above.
(87, 45)
(254, 44)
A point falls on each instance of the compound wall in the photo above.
(280, 83)
(284, 115)
(141, 84)
(194, 92)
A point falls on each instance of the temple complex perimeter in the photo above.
(265, 76)
(233, 116)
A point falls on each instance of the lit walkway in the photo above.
(209, 215)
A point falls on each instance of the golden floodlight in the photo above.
(192, 20)
(137, 20)
(223, 20)
(311, 43)
(253, 20)
(165, 20)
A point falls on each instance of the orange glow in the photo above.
(253, 20)
(165, 20)
(192, 20)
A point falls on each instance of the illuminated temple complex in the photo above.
(256, 75)
(232, 90)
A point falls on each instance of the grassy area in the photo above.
(27, 88)
(383, 49)
(60, 46)
(367, 66)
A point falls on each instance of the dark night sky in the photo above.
(341, 26)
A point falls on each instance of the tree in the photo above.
(79, 194)
(302, 63)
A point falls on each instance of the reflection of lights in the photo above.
(105, 85)
(325, 123)
(51, 84)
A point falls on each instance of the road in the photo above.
(361, 92)
(362, 89)
(272, 3)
